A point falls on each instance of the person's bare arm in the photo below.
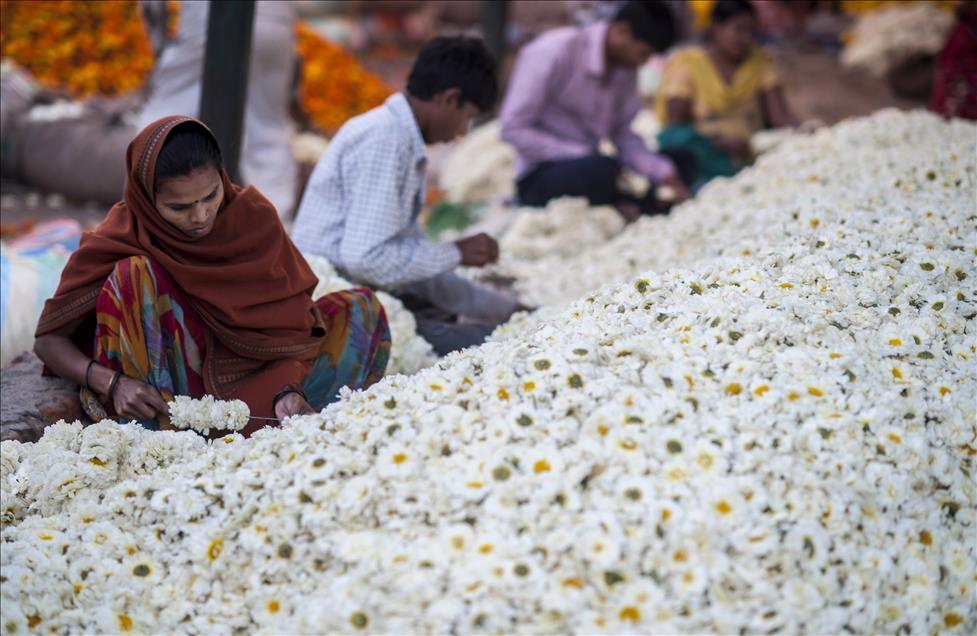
(132, 398)
(679, 111)
(777, 109)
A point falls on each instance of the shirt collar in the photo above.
(397, 103)
(595, 36)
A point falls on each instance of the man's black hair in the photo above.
(455, 62)
(651, 22)
(723, 10)
(188, 147)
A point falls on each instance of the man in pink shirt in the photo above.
(573, 87)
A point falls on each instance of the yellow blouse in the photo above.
(731, 109)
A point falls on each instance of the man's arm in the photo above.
(524, 104)
(460, 295)
(380, 245)
(632, 149)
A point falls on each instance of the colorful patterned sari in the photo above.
(148, 330)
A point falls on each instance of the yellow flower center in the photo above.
(214, 550)
(630, 614)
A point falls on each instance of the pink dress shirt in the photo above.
(563, 99)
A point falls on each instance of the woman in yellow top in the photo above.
(714, 97)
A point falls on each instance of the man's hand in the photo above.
(629, 211)
(679, 191)
(137, 400)
(292, 404)
(478, 250)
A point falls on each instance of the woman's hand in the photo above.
(735, 146)
(292, 404)
(136, 400)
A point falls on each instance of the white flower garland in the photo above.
(208, 413)
(777, 433)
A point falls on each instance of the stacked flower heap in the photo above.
(888, 36)
(776, 435)
(85, 48)
(334, 86)
(849, 173)
(101, 48)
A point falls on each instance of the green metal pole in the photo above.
(225, 84)
(494, 16)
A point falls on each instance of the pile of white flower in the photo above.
(481, 167)
(888, 36)
(776, 435)
(409, 352)
(566, 226)
(806, 183)
(208, 413)
(308, 147)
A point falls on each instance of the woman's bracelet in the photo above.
(113, 385)
(88, 369)
(289, 388)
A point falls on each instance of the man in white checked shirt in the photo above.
(362, 201)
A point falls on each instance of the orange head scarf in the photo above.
(246, 279)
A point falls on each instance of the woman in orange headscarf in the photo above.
(191, 286)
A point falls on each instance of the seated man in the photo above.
(362, 201)
(573, 87)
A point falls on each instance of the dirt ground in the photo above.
(816, 85)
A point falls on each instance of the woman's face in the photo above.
(190, 202)
(734, 37)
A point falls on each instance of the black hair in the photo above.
(187, 147)
(651, 22)
(725, 10)
(455, 62)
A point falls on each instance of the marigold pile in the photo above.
(101, 48)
